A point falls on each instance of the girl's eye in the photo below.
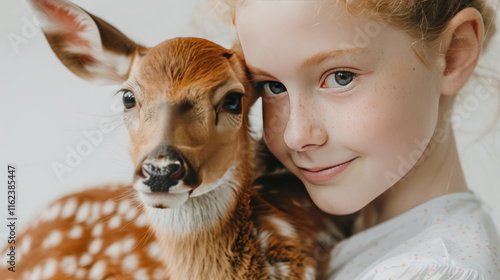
(232, 103)
(128, 99)
(338, 79)
(273, 88)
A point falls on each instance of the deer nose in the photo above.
(163, 168)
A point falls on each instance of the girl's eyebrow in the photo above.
(322, 56)
(313, 60)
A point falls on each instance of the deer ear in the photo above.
(236, 54)
(88, 46)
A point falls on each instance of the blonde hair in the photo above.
(423, 20)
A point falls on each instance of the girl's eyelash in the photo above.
(333, 71)
(346, 87)
(269, 88)
(259, 85)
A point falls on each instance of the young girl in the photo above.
(357, 98)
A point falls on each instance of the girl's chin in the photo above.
(341, 198)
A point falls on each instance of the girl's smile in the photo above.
(322, 175)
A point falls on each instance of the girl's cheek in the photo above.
(275, 117)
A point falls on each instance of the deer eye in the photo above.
(128, 99)
(232, 102)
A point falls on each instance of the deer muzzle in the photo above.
(166, 170)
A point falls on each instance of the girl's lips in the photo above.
(323, 174)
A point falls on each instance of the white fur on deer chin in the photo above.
(201, 212)
(164, 200)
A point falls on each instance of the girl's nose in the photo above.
(304, 129)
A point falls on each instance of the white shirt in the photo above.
(448, 237)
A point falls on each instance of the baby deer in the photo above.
(186, 105)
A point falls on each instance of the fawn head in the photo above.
(186, 100)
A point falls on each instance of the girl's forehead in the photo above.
(282, 20)
(300, 29)
(303, 12)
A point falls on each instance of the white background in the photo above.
(44, 108)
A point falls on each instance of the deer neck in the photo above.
(202, 238)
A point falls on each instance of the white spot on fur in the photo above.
(97, 270)
(121, 247)
(284, 270)
(20, 257)
(85, 259)
(54, 239)
(131, 213)
(302, 203)
(159, 274)
(141, 221)
(284, 228)
(141, 274)
(333, 230)
(68, 265)
(128, 244)
(83, 212)
(75, 232)
(95, 213)
(273, 272)
(80, 273)
(49, 269)
(154, 250)
(97, 230)
(114, 250)
(324, 237)
(280, 170)
(108, 207)
(114, 222)
(124, 207)
(263, 238)
(309, 273)
(51, 213)
(130, 263)
(3, 260)
(69, 208)
(95, 246)
(36, 273)
(26, 245)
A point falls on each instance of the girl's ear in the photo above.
(463, 41)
